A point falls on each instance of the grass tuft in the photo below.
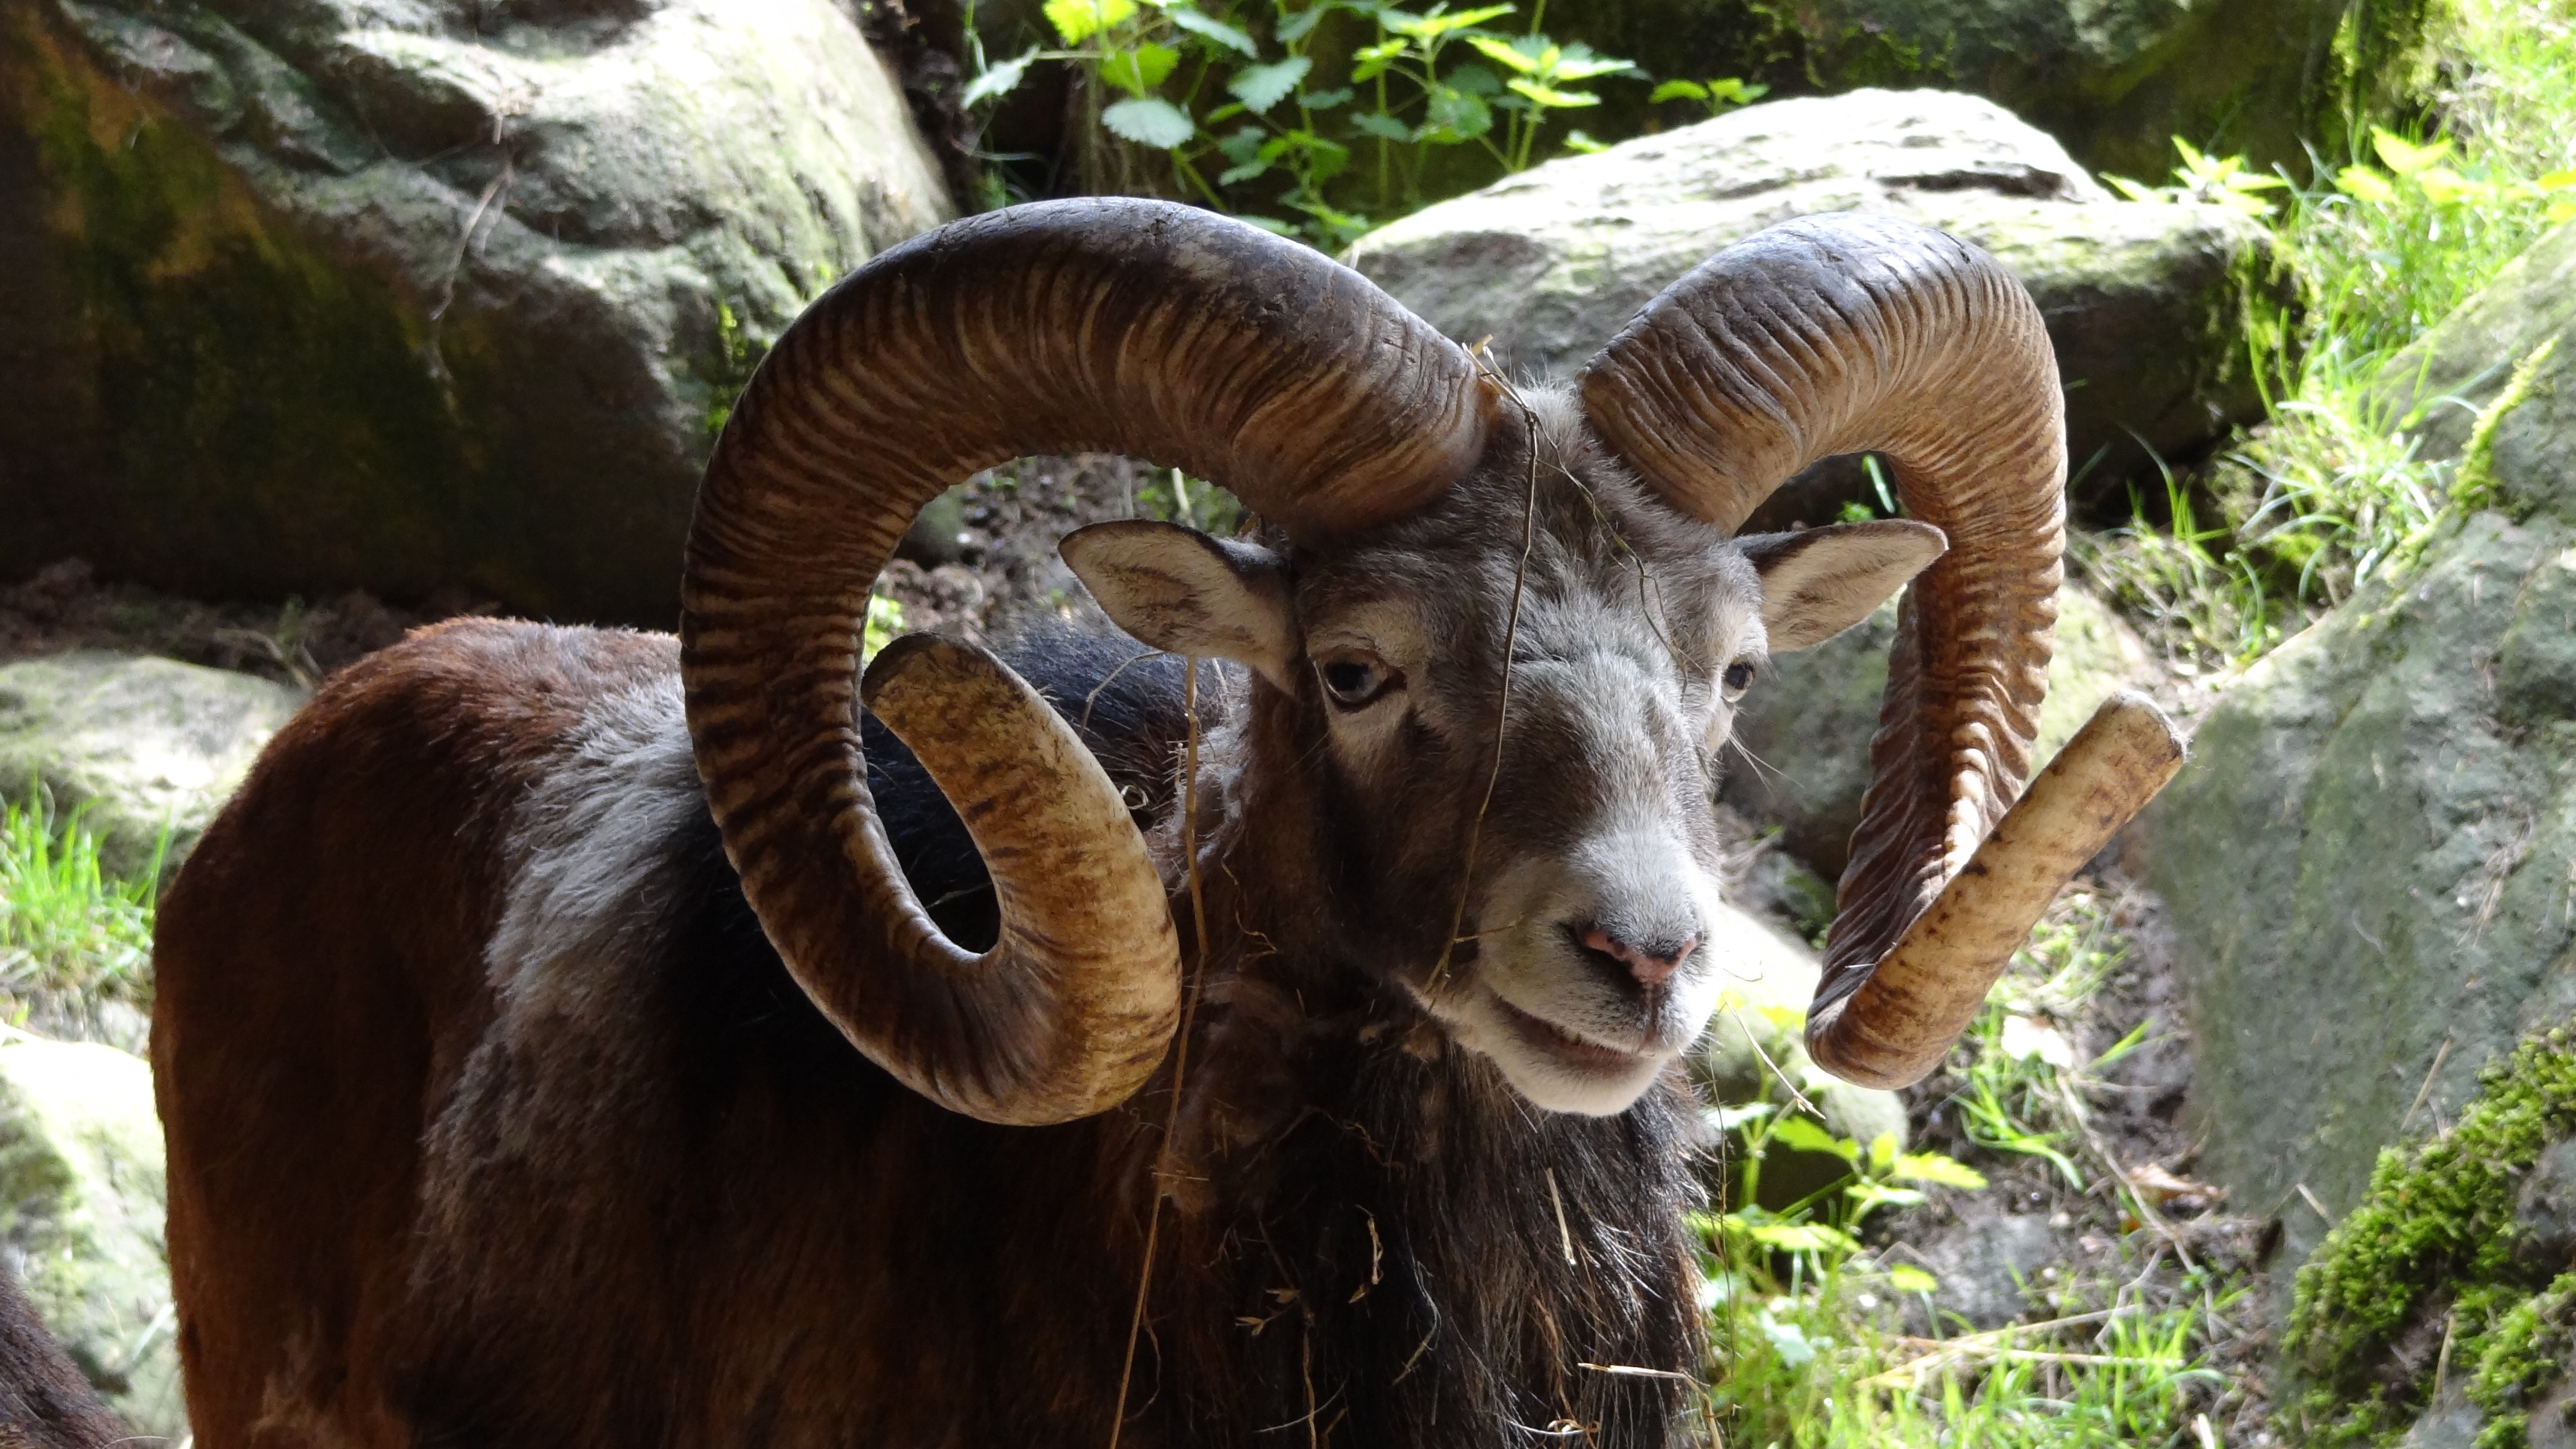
(68, 928)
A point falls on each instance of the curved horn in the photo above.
(1850, 333)
(1106, 325)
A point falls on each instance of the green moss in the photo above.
(2475, 487)
(2521, 1353)
(2435, 1238)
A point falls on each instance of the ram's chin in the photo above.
(1554, 1068)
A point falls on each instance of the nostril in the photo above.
(1651, 965)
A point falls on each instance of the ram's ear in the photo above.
(1183, 592)
(1818, 582)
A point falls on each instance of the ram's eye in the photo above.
(1356, 679)
(1739, 677)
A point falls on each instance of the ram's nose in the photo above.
(1652, 964)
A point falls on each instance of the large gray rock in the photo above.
(82, 1200)
(2369, 857)
(1803, 737)
(403, 294)
(2146, 303)
(139, 744)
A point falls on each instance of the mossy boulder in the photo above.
(82, 1199)
(2369, 857)
(2444, 1297)
(138, 746)
(336, 294)
(1804, 731)
(2146, 304)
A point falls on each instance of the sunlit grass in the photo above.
(2396, 230)
(1820, 1342)
(67, 926)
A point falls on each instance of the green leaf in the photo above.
(885, 621)
(1520, 55)
(1079, 20)
(1381, 125)
(2556, 181)
(1582, 144)
(1370, 61)
(1324, 100)
(1551, 97)
(2403, 156)
(1437, 24)
(1577, 62)
(1678, 90)
(1211, 28)
(1938, 1170)
(1244, 146)
(1736, 92)
(1801, 1134)
(2443, 186)
(1882, 1150)
(1325, 159)
(1869, 1197)
(1302, 24)
(1150, 122)
(1260, 87)
(999, 80)
(1475, 80)
(1802, 1238)
(2363, 184)
(1453, 115)
(2134, 190)
(1138, 71)
(1245, 172)
(1906, 1278)
(1270, 224)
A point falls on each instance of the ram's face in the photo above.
(1553, 811)
(1507, 712)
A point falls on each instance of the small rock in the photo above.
(938, 534)
(1773, 976)
(82, 1198)
(141, 743)
(1987, 1263)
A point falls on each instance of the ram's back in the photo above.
(481, 1081)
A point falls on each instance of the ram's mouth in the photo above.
(1567, 1049)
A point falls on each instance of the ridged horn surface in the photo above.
(1107, 325)
(1903, 1017)
(1854, 333)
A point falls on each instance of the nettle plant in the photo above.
(1256, 110)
